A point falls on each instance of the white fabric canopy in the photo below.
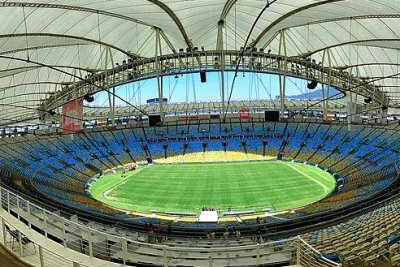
(74, 35)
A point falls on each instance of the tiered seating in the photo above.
(369, 238)
(59, 166)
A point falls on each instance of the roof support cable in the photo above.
(26, 34)
(349, 57)
(194, 88)
(187, 89)
(267, 5)
(99, 38)
(171, 92)
(308, 38)
(235, 28)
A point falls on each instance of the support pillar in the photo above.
(18, 209)
(41, 258)
(28, 208)
(220, 47)
(44, 223)
(21, 251)
(3, 224)
(64, 234)
(282, 80)
(8, 201)
(159, 78)
(350, 107)
(90, 244)
(298, 253)
(329, 84)
(323, 86)
(124, 251)
(111, 96)
(165, 258)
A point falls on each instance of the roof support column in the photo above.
(329, 83)
(351, 106)
(282, 80)
(349, 111)
(356, 95)
(326, 84)
(220, 44)
(111, 100)
(159, 78)
(111, 96)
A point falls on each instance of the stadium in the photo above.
(200, 133)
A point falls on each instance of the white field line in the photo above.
(123, 181)
(326, 189)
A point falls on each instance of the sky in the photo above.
(188, 88)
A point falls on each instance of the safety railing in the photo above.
(122, 247)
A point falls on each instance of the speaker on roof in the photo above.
(203, 76)
(312, 84)
(368, 100)
(88, 98)
(272, 115)
(154, 120)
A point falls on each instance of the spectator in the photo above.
(233, 230)
(213, 235)
(237, 233)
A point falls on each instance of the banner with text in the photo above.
(72, 116)
(244, 113)
(193, 117)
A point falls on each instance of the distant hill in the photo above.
(315, 95)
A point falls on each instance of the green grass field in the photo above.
(239, 185)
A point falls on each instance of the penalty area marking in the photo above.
(324, 187)
(123, 181)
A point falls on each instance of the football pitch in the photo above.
(258, 185)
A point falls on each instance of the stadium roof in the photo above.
(38, 38)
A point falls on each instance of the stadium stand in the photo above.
(206, 92)
(57, 168)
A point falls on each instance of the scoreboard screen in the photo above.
(272, 115)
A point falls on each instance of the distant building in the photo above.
(155, 101)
